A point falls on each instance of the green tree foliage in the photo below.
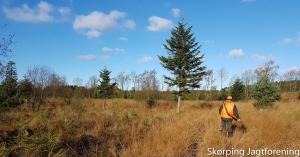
(223, 94)
(184, 60)
(9, 95)
(25, 89)
(237, 90)
(265, 93)
(105, 88)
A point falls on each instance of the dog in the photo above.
(239, 126)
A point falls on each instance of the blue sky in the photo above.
(77, 38)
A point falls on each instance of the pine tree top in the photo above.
(184, 59)
(105, 75)
(105, 88)
(11, 71)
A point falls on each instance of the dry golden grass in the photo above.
(128, 128)
(289, 96)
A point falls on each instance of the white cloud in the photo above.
(129, 24)
(100, 22)
(246, 1)
(236, 53)
(45, 7)
(175, 12)
(146, 59)
(89, 57)
(108, 49)
(123, 38)
(42, 12)
(159, 24)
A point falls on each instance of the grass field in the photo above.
(128, 128)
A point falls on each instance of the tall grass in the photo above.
(130, 128)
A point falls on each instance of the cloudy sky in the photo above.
(77, 38)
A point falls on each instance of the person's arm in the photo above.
(220, 109)
(236, 113)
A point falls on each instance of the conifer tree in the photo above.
(237, 90)
(184, 60)
(9, 95)
(265, 92)
(105, 88)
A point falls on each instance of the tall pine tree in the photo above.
(184, 60)
(9, 95)
(105, 89)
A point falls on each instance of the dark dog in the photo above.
(239, 126)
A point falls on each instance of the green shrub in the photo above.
(47, 144)
(237, 90)
(265, 93)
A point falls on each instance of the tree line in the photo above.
(188, 78)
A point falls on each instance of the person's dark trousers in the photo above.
(227, 126)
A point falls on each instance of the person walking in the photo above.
(229, 113)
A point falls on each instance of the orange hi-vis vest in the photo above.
(229, 106)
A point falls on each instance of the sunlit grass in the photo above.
(130, 128)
